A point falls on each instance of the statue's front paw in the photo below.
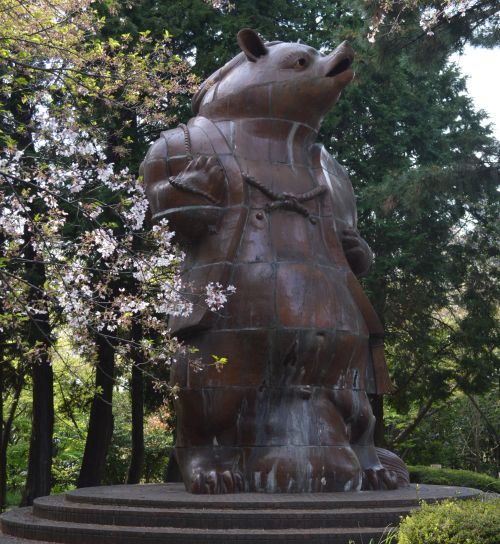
(203, 176)
(357, 251)
(213, 482)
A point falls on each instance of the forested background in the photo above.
(86, 285)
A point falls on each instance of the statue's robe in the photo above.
(295, 289)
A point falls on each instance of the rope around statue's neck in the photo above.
(286, 201)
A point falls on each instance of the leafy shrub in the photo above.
(158, 443)
(453, 522)
(448, 476)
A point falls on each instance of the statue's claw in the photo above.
(381, 478)
(212, 482)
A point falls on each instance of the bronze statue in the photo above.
(258, 204)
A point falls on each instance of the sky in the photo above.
(483, 68)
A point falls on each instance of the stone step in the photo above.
(5, 539)
(166, 514)
(57, 508)
(21, 523)
(174, 496)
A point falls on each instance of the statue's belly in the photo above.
(292, 295)
(293, 320)
(289, 323)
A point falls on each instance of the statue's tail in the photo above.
(392, 462)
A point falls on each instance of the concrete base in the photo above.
(166, 514)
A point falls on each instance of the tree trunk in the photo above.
(100, 428)
(3, 445)
(137, 394)
(39, 478)
(173, 471)
(422, 412)
(6, 428)
(377, 402)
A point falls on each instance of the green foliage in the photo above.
(69, 438)
(17, 459)
(72, 395)
(13, 498)
(453, 522)
(157, 441)
(460, 433)
(119, 451)
(68, 454)
(447, 476)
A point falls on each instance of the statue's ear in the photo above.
(251, 44)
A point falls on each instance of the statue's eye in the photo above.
(295, 62)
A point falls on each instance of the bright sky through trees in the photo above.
(482, 66)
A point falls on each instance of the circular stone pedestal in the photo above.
(166, 514)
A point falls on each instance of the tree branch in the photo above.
(487, 422)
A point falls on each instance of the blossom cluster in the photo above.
(113, 270)
(430, 16)
(216, 295)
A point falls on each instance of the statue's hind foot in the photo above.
(377, 473)
(394, 464)
(211, 470)
(304, 469)
(213, 482)
(381, 468)
(379, 478)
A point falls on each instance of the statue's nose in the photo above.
(339, 60)
(345, 46)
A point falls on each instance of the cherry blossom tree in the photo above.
(76, 250)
